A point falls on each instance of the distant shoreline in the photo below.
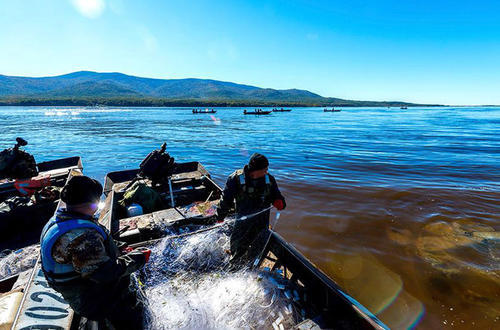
(158, 102)
(88, 88)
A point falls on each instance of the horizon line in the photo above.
(237, 83)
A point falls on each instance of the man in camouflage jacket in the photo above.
(248, 191)
(81, 260)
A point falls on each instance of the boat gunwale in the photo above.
(369, 320)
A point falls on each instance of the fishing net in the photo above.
(190, 283)
(14, 262)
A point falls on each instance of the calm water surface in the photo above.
(400, 207)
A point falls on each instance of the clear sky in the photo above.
(428, 51)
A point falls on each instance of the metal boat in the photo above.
(204, 111)
(256, 112)
(188, 194)
(22, 223)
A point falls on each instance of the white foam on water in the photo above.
(79, 111)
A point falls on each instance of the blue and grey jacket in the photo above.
(60, 224)
(82, 262)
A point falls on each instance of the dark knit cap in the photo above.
(81, 189)
(257, 162)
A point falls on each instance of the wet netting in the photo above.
(189, 282)
(14, 262)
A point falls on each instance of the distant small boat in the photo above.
(331, 110)
(256, 112)
(204, 111)
(404, 108)
(281, 110)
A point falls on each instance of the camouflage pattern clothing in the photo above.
(102, 292)
(84, 248)
(255, 195)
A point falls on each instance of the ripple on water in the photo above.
(408, 196)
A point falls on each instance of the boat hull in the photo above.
(326, 304)
(333, 306)
(257, 113)
(22, 225)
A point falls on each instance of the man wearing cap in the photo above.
(81, 261)
(249, 190)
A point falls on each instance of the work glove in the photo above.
(279, 204)
(127, 249)
(146, 252)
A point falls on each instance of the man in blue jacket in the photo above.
(249, 191)
(82, 262)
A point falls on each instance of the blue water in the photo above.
(385, 201)
(418, 147)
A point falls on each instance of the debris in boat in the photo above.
(14, 262)
(134, 210)
(188, 284)
(12, 203)
(205, 209)
(143, 195)
(160, 221)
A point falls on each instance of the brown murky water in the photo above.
(428, 258)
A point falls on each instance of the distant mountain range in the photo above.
(91, 88)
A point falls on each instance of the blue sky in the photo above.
(424, 51)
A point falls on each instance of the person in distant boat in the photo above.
(81, 261)
(248, 191)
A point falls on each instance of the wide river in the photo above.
(400, 207)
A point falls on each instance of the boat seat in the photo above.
(154, 225)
